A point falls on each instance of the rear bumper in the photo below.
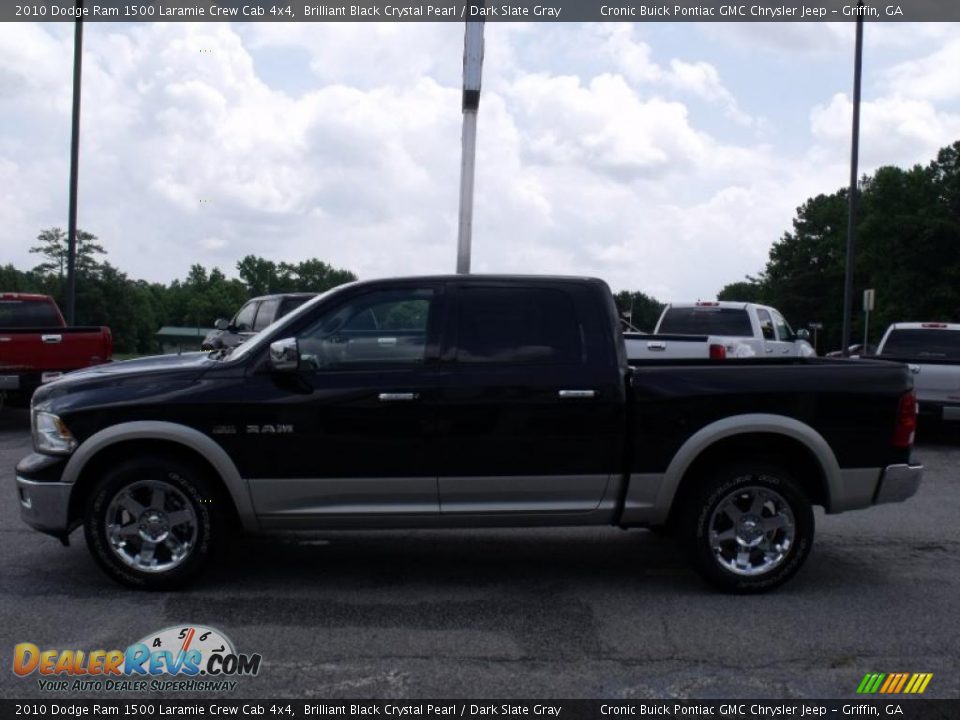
(938, 410)
(897, 483)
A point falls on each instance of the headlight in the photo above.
(50, 435)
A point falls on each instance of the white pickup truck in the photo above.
(932, 350)
(717, 330)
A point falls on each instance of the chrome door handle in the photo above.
(769, 350)
(397, 397)
(571, 394)
(51, 339)
(656, 346)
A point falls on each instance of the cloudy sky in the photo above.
(662, 157)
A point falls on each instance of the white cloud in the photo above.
(590, 159)
(934, 77)
(893, 130)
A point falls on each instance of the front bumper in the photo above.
(897, 483)
(45, 505)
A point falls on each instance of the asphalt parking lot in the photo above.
(523, 613)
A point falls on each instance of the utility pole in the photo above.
(472, 71)
(74, 167)
(852, 196)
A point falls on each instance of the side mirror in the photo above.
(803, 334)
(284, 355)
(221, 324)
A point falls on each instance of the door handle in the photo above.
(769, 350)
(398, 397)
(573, 394)
(656, 345)
(51, 339)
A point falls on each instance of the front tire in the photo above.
(151, 523)
(748, 527)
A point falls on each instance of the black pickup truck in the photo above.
(462, 401)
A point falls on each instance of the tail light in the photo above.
(718, 352)
(906, 420)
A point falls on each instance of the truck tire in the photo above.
(747, 527)
(152, 522)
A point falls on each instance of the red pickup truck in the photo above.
(36, 346)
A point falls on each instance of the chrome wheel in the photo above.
(751, 530)
(151, 526)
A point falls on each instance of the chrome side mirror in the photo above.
(284, 355)
(803, 334)
(221, 324)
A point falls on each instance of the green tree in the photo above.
(53, 246)
(263, 277)
(643, 310)
(749, 290)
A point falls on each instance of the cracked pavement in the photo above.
(533, 613)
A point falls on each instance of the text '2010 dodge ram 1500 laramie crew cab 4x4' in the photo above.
(463, 401)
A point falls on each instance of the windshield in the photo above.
(732, 322)
(940, 344)
(268, 333)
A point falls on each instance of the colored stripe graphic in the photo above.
(894, 683)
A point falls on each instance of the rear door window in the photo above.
(923, 343)
(732, 322)
(243, 322)
(291, 303)
(766, 325)
(518, 325)
(266, 313)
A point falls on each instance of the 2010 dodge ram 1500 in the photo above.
(463, 401)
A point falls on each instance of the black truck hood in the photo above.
(177, 368)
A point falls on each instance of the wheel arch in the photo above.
(756, 436)
(126, 439)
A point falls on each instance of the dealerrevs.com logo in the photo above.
(178, 658)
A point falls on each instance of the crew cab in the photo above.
(932, 350)
(36, 346)
(254, 316)
(720, 329)
(462, 401)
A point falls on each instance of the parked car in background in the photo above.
(718, 330)
(254, 316)
(462, 401)
(855, 351)
(36, 346)
(932, 350)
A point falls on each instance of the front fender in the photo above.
(169, 432)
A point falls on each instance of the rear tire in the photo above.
(747, 527)
(152, 523)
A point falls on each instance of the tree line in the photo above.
(135, 310)
(908, 250)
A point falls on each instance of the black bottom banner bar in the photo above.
(913, 709)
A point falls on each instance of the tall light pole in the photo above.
(74, 167)
(852, 195)
(472, 70)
